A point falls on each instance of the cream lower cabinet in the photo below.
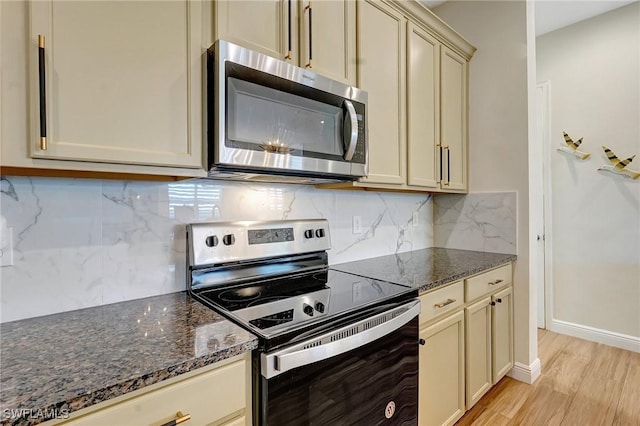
(489, 330)
(441, 372)
(318, 35)
(466, 344)
(216, 396)
(501, 334)
(478, 344)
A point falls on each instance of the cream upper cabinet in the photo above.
(423, 111)
(453, 130)
(441, 374)
(414, 68)
(318, 35)
(381, 72)
(117, 82)
(328, 38)
(267, 26)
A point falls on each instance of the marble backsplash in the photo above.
(80, 243)
(482, 221)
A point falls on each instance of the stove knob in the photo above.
(320, 307)
(307, 309)
(319, 232)
(211, 241)
(308, 233)
(229, 239)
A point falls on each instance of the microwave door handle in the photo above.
(287, 359)
(353, 134)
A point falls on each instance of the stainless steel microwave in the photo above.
(269, 120)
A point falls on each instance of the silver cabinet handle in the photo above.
(353, 135)
(495, 282)
(445, 303)
(298, 356)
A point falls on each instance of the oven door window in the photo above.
(375, 384)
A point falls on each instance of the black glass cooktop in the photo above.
(277, 306)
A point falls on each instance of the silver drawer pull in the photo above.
(495, 282)
(445, 303)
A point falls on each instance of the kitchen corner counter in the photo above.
(72, 360)
(426, 269)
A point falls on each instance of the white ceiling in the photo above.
(555, 14)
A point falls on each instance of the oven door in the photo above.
(362, 373)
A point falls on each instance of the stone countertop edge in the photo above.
(453, 278)
(426, 269)
(90, 367)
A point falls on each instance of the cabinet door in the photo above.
(381, 72)
(267, 26)
(209, 397)
(422, 107)
(441, 372)
(501, 334)
(478, 347)
(123, 81)
(453, 129)
(332, 27)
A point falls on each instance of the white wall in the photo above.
(593, 70)
(498, 130)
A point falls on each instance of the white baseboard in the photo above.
(526, 373)
(597, 335)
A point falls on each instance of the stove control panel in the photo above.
(220, 242)
(211, 241)
(307, 309)
(290, 311)
(314, 233)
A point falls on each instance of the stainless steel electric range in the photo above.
(334, 348)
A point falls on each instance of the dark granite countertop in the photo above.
(426, 269)
(68, 361)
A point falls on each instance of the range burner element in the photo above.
(240, 295)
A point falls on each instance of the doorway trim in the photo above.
(543, 221)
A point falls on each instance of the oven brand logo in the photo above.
(390, 410)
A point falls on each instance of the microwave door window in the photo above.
(265, 119)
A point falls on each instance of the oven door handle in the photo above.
(355, 336)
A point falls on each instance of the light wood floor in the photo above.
(582, 384)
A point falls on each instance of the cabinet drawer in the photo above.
(487, 282)
(208, 397)
(441, 301)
